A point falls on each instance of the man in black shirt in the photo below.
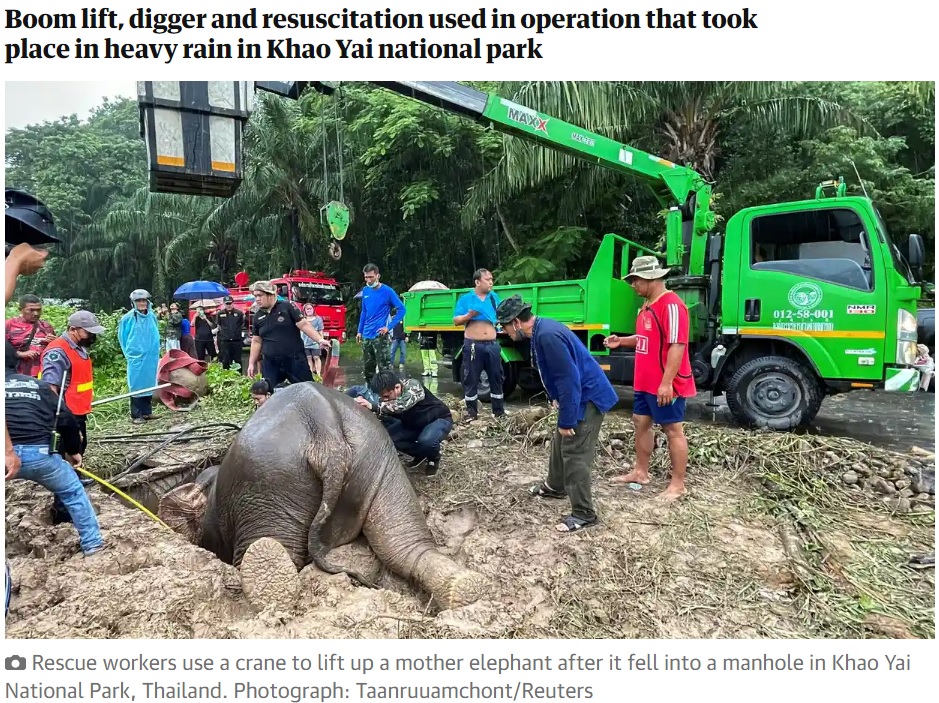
(231, 323)
(31, 409)
(204, 327)
(275, 335)
(417, 421)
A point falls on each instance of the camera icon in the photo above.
(15, 663)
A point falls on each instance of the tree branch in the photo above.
(505, 228)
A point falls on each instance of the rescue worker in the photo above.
(663, 378)
(32, 413)
(139, 337)
(379, 302)
(276, 331)
(30, 335)
(577, 387)
(261, 392)
(428, 344)
(399, 346)
(417, 421)
(231, 326)
(476, 312)
(205, 328)
(174, 320)
(67, 364)
(28, 224)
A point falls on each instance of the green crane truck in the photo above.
(790, 303)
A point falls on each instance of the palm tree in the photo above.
(679, 121)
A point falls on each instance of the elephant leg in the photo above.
(269, 576)
(332, 478)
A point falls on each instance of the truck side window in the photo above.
(829, 245)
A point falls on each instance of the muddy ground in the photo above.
(772, 541)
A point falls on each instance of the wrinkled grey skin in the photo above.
(313, 470)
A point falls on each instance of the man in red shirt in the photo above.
(29, 335)
(663, 378)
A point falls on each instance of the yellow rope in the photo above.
(121, 494)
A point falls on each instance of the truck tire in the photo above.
(774, 392)
(509, 382)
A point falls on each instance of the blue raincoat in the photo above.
(139, 338)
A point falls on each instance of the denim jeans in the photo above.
(423, 444)
(402, 346)
(141, 406)
(363, 391)
(52, 472)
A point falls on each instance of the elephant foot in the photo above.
(464, 588)
(268, 575)
(450, 584)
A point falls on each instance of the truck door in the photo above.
(811, 277)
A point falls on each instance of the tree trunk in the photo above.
(505, 228)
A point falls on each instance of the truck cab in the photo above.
(314, 290)
(816, 299)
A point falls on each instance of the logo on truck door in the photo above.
(805, 296)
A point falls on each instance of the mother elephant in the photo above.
(308, 472)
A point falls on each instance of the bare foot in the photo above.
(672, 493)
(634, 476)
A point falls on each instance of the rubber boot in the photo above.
(425, 359)
(432, 362)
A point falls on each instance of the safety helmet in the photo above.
(27, 220)
(139, 294)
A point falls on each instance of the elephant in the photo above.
(312, 470)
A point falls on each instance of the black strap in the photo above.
(492, 300)
(29, 339)
(663, 343)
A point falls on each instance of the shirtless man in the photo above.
(663, 378)
(476, 312)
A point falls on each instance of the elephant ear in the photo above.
(183, 509)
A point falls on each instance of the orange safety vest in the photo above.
(80, 389)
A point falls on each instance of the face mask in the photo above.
(89, 341)
(517, 334)
(373, 284)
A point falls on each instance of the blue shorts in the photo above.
(648, 404)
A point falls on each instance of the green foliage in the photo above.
(557, 250)
(435, 196)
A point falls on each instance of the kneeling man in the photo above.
(416, 419)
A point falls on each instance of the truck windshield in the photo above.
(315, 293)
(899, 262)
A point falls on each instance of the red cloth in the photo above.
(18, 331)
(172, 360)
(658, 326)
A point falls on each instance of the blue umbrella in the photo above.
(200, 289)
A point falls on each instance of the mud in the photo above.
(715, 564)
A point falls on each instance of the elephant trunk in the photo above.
(397, 531)
(450, 584)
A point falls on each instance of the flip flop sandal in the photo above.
(576, 524)
(543, 490)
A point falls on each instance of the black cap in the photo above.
(28, 220)
(510, 308)
(228, 299)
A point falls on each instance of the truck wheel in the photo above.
(509, 382)
(774, 392)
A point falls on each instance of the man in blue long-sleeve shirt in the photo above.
(378, 303)
(581, 393)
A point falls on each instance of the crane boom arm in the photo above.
(680, 189)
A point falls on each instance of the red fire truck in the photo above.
(305, 290)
